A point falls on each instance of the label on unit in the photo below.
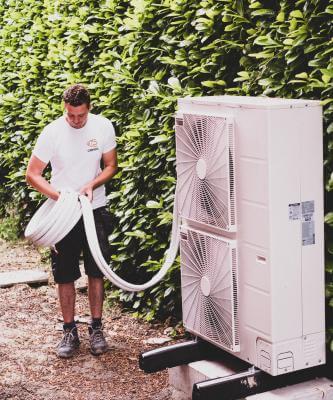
(308, 223)
(304, 212)
(308, 233)
(294, 211)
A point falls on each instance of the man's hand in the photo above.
(35, 179)
(87, 190)
(110, 169)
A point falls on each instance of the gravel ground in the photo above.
(30, 329)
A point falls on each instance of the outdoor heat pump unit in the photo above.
(250, 198)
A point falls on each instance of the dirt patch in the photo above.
(30, 329)
(19, 255)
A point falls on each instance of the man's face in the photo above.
(77, 116)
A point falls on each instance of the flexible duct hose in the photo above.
(54, 219)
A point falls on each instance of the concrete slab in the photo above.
(23, 276)
(316, 389)
(182, 379)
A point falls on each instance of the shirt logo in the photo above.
(92, 145)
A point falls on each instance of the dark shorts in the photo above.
(65, 262)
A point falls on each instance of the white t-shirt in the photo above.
(75, 154)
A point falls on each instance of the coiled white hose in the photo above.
(54, 219)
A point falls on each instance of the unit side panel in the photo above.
(285, 262)
(253, 231)
(256, 274)
(253, 184)
(312, 223)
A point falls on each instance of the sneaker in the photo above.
(98, 344)
(69, 343)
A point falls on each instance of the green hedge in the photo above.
(137, 57)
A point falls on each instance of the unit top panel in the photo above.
(248, 102)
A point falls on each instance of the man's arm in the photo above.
(34, 178)
(109, 170)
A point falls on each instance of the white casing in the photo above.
(278, 170)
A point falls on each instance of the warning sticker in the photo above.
(294, 211)
(304, 211)
(308, 233)
(307, 211)
(308, 224)
(307, 207)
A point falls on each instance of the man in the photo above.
(75, 144)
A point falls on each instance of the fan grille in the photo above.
(235, 294)
(209, 288)
(232, 173)
(205, 170)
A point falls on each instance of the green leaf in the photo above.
(262, 54)
(281, 16)
(265, 41)
(325, 78)
(153, 204)
(159, 139)
(84, 37)
(302, 75)
(230, 27)
(261, 12)
(209, 84)
(327, 72)
(213, 83)
(174, 83)
(296, 14)
(255, 4)
(136, 304)
(137, 233)
(329, 218)
(288, 42)
(330, 127)
(244, 74)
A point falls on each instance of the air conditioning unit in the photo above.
(250, 195)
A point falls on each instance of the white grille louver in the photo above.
(205, 170)
(209, 288)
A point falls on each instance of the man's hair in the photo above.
(76, 95)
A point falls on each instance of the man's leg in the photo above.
(65, 268)
(66, 293)
(98, 344)
(96, 296)
(70, 341)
